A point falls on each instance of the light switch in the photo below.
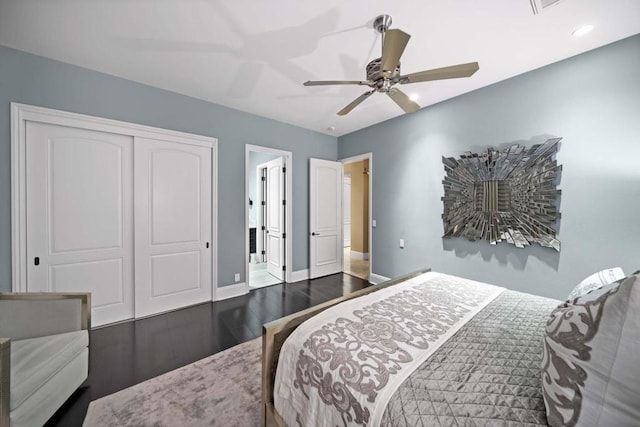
(373, 223)
(402, 243)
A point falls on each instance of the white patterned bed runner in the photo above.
(342, 366)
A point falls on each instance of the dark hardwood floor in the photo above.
(128, 353)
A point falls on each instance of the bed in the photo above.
(433, 349)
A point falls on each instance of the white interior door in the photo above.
(275, 218)
(173, 225)
(346, 207)
(80, 216)
(325, 217)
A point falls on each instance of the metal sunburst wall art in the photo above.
(504, 196)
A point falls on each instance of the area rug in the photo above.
(220, 390)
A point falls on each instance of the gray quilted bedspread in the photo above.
(487, 374)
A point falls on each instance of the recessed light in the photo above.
(414, 96)
(582, 30)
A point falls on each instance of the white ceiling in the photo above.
(254, 55)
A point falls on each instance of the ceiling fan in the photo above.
(383, 73)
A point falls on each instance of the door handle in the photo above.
(207, 245)
(36, 260)
(315, 234)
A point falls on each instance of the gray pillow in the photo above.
(596, 281)
(590, 370)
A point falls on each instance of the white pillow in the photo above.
(597, 281)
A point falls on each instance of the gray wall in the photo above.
(43, 82)
(591, 100)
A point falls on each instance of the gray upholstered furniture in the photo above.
(44, 353)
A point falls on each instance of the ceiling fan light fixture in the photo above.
(579, 32)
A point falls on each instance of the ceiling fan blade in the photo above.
(335, 82)
(394, 43)
(355, 103)
(400, 98)
(452, 72)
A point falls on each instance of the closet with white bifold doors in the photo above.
(123, 211)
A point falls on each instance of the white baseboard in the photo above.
(376, 278)
(297, 276)
(359, 255)
(231, 291)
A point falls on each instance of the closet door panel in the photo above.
(173, 273)
(104, 279)
(80, 216)
(173, 225)
(175, 196)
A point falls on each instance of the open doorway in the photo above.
(268, 213)
(356, 192)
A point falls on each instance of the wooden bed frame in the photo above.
(275, 333)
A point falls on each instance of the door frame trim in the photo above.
(23, 113)
(360, 157)
(288, 248)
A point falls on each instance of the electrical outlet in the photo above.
(237, 277)
(373, 223)
(402, 243)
